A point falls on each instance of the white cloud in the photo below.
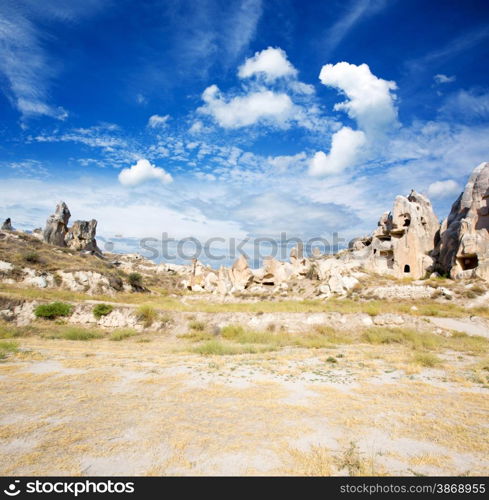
(370, 101)
(156, 121)
(441, 78)
(248, 109)
(283, 163)
(444, 189)
(271, 63)
(466, 104)
(345, 149)
(25, 65)
(357, 10)
(141, 172)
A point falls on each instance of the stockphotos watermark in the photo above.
(74, 488)
(219, 249)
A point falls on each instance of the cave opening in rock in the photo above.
(407, 268)
(468, 262)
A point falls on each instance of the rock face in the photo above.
(241, 275)
(463, 251)
(403, 241)
(57, 226)
(7, 225)
(81, 236)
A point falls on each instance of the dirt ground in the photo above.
(154, 408)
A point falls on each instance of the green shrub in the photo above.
(53, 310)
(32, 257)
(102, 310)
(146, 314)
(135, 280)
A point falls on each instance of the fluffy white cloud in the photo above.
(345, 150)
(370, 101)
(248, 109)
(441, 78)
(270, 63)
(141, 172)
(157, 120)
(444, 189)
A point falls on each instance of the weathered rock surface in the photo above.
(241, 275)
(81, 236)
(7, 225)
(463, 251)
(402, 243)
(57, 226)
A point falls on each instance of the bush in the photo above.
(32, 257)
(102, 310)
(135, 280)
(147, 315)
(53, 310)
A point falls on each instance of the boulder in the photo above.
(57, 226)
(463, 251)
(81, 236)
(275, 271)
(7, 225)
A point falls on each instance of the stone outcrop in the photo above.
(241, 275)
(463, 251)
(7, 225)
(57, 226)
(81, 236)
(403, 241)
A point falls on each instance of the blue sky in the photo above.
(238, 118)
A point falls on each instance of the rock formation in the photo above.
(241, 275)
(7, 225)
(463, 251)
(81, 236)
(403, 241)
(57, 226)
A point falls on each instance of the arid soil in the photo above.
(152, 405)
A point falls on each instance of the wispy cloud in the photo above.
(357, 11)
(27, 68)
(215, 33)
(452, 49)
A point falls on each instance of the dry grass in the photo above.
(7, 348)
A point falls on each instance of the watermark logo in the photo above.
(13, 490)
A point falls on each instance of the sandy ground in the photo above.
(130, 408)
